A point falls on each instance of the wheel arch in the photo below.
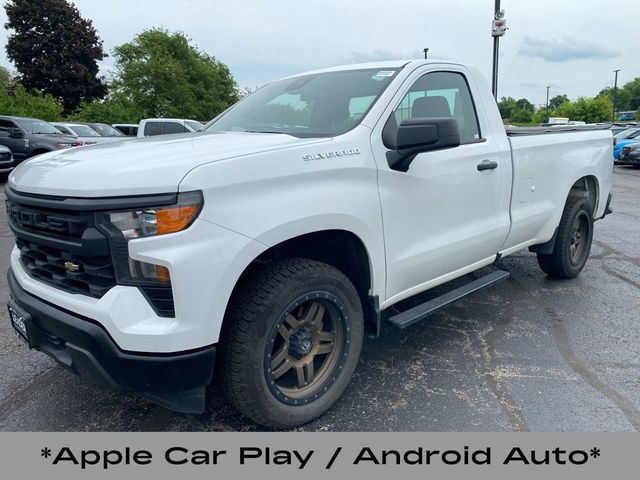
(588, 187)
(339, 248)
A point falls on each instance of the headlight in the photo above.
(146, 222)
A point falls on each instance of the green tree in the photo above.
(589, 110)
(557, 100)
(632, 89)
(6, 79)
(521, 115)
(55, 50)
(623, 97)
(541, 116)
(162, 75)
(524, 104)
(506, 105)
(19, 102)
(111, 110)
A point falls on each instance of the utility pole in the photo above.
(498, 29)
(615, 96)
(548, 87)
(426, 51)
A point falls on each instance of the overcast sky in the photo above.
(572, 45)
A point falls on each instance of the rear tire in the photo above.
(573, 240)
(290, 342)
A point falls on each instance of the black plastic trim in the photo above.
(607, 208)
(373, 316)
(92, 203)
(545, 248)
(175, 380)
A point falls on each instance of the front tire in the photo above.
(573, 241)
(291, 341)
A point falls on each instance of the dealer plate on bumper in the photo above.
(19, 320)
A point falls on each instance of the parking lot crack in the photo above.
(561, 337)
(499, 389)
(616, 273)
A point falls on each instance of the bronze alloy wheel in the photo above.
(307, 348)
(579, 238)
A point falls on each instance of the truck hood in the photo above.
(137, 167)
(41, 137)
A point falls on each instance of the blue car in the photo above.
(624, 138)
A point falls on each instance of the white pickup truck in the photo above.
(269, 243)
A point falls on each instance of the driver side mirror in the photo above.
(15, 132)
(417, 135)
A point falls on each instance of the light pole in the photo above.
(615, 95)
(498, 29)
(426, 51)
(548, 87)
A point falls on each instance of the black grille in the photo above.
(5, 156)
(57, 223)
(62, 248)
(64, 243)
(625, 150)
(91, 276)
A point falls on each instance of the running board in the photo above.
(420, 312)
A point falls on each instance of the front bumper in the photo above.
(173, 380)
(7, 166)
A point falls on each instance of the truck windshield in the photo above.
(629, 133)
(106, 130)
(35, 126)
(317, 105)
(84, 131)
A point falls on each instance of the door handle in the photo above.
(487, 165)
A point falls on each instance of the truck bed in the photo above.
(519, 131)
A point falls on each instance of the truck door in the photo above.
(449, 213)
(18, 146)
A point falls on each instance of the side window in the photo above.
(5, 126)
(152, 128)
(442, 94)
(174, 127)
(63, 129)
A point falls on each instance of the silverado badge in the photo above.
(334, 154)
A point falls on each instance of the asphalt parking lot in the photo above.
(531, 353)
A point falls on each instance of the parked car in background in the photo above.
(622, 139)
(104, 129)
(129, 129)
(84, 133)
(630, 155)
(621, 127)
(6, 162)
(150, 127)
(26, 137)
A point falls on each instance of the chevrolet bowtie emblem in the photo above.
(71, 266)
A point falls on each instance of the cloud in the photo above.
(539, 85)
(563, 50)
